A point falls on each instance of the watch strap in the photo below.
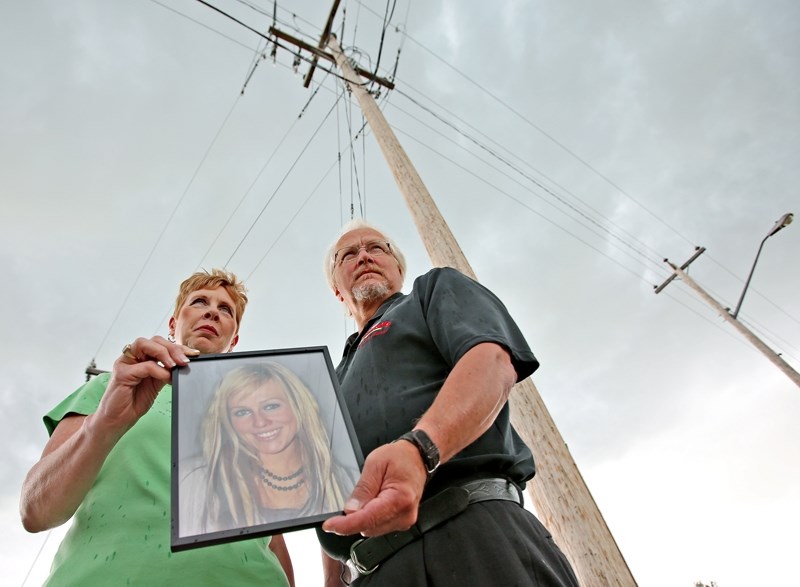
(426, 447)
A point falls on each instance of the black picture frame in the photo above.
(220, 487)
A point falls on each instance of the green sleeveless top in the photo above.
(120, 534)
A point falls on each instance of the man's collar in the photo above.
(383, 307)
(387, 303)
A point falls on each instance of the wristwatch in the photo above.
(427, 449)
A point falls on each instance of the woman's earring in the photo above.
(171, 337)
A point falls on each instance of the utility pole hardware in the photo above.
(725, 313)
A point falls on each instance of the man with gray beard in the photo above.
(426, 379)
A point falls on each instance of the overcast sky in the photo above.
(612, 135)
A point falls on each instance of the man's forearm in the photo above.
(470, 399)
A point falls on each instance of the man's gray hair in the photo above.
(355, 224)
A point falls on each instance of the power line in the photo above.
(536, 183)
(571, 153)
(258, 57)
(404, 35)
(772, 335)
(303, 205)
(525, 175)
(510, 154)
(246, 193)
(339, 157)
(551, 192)
(550, 137)
(387, 17)
(36, 558)
(248, 190)
(520, 202)
(353, 166)
(259, 174)
(291, 220)
(403, 32)
(752, 289)
(167, 224)
(298, 54)
(275, 192)
(205, 26)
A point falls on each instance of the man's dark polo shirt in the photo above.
(391, 372)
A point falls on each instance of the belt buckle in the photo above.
(353, 563)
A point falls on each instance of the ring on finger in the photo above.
(126, 350)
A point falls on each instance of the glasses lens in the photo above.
(349, 254)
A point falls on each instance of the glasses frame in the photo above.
(365, 246)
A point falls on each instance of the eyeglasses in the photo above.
(349, 254)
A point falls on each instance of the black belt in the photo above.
(367, 554)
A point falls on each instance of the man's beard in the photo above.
(370, 292)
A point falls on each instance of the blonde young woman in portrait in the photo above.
(266, 455)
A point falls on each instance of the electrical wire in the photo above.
(291, 220)
(754, 290)
(364, 162)
(520, 202)
(167, 224)
(387, 17)
(297, 53)
(275, 192)
(353, 165)
(654, 259)
(557, 225)
(517, 167)
(571, 153)
(550, 137)
(339, 155)
(654, 256)
(205, 26)
(405, 35)
(303, 205)
(247, 192)
(36, 558)
(258, 57)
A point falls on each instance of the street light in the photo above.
(782, 222)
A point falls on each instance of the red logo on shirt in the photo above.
(377, 330)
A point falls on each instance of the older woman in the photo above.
(107, 462)
(266, 455)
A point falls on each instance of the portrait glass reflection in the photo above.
(262, 444)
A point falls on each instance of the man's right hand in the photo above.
(387, 496)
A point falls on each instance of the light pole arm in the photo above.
(749, 277)
(752, 338)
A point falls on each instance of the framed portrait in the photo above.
(261, 444)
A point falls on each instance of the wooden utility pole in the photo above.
(752, 338)
(558, 492)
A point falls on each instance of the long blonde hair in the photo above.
(232, 490)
